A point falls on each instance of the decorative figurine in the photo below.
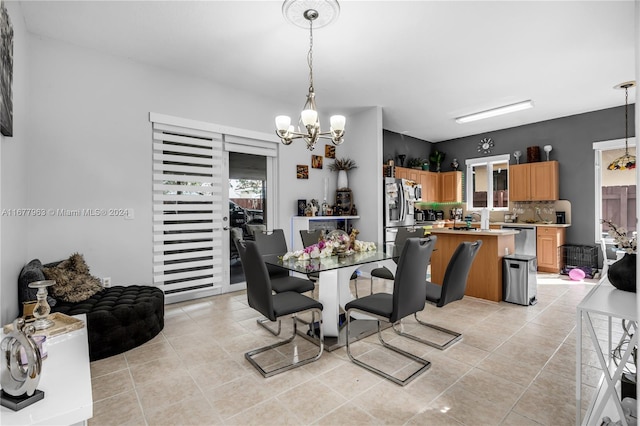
(314, 207)
(352, 237)
(454, 164)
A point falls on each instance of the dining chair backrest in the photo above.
(310, 238)
(608, 246)
(457, 272)
(259, 294)
(409, 287)
(272, 242)
(404, 234)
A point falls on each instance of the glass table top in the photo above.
(327, 263)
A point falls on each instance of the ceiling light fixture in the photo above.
(495, 111)
(626, 162)
(303, 13)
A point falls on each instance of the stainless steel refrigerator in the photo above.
(399, 198)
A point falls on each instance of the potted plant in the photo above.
(436, 158)
(415, 163)
(342, 166)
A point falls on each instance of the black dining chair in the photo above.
(310, 238)
(275, 306)
(402, 236)
(274, 242)
(452, 289)
(408, 297)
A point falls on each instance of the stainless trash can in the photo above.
(519, 283)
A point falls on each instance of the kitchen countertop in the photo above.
(516, 224)
(475, 222)
(486, 232)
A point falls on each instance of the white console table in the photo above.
(308, 223)
(604, 300)
(66, 382)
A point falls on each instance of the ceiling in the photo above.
(423, 62)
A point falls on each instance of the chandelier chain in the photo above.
(310, 55)
(626, 120)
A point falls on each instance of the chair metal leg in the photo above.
(456, 336)
(355, 285)
(263, 322)
(425, 364)
(295, 363)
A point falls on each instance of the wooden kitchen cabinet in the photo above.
(406, 173)
(519, 182)
(544, 181)
(549, 241)
(534, 181)
(450, 187)
(429, 182)
(443, 187)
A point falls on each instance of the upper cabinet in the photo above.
(534, 181)
(443, 187)
(450, 187)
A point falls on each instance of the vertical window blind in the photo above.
(187, 213)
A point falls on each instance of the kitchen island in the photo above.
(485, 276)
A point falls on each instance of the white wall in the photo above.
(363, 143)
(14, 171)
(89, 147)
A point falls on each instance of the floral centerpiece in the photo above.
(335, 243)
(622, 274)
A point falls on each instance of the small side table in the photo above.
(608, 301)
(66, 382)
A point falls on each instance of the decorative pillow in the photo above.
(73, 281)
(31, 272)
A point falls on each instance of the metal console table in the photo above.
(604, 300)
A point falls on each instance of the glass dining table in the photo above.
(333, 288)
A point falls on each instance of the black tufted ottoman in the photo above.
(118, 318)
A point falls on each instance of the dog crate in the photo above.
(584, 257)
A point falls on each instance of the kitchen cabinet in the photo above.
(450, 187)
(549, 241)
(534, 181)
(443, 187)
(406, 173)
(429, 182)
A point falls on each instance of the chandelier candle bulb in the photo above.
(337, 122)
(309, 117)
(283, 122)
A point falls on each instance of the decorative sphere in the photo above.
(340, 239)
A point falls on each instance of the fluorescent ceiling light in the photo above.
(495, 111)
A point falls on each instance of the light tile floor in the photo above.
(514, 366)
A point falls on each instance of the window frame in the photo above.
(598, 147)
(489, 162)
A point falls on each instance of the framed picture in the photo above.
(316, 161)
(6, 72)
(302, 171)
(330, 151)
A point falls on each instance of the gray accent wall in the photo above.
(571, 137)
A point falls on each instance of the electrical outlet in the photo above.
(106, 282)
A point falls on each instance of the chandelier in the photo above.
(626, 162)
(303, 13)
